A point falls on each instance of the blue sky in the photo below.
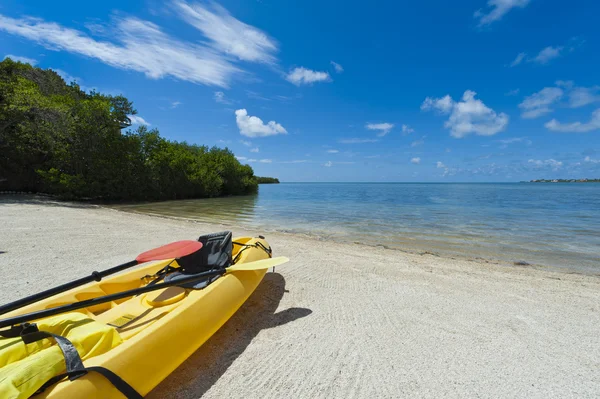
(477, 90)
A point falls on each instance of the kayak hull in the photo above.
(164, 328)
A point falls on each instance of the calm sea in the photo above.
(555, 225)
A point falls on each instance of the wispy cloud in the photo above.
(303, 76)
(328, 164)
(254, 149)
(548, 54)
(518, 59)
(137, 120)
(467, 116)
(25, 60)
(415, 160)
(338, 68)
(591, 160)
(246, 143)
(357, 141)
(542, 102)
(295, 161)
(221, 98)
(382, 128)
(138, 45)
(228, 34)
(581, 96)
(332, 151)
(539, 103)
(142, 47)
(552, 163)
(496, 9)
(252, 126)
(418, 142)
(576, 127)
(175, 104)
(515, 140)
(407, 129)
(266, 161)
(440, 165)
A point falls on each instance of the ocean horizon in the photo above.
(545, 224)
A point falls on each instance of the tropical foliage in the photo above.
(56, 138)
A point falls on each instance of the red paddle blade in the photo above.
(173, 250)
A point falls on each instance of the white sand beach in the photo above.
(339, 320)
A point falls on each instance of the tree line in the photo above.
(58, 139)
(267, 180)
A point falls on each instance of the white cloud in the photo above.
(552, 163)
(295, 161)
(415, 160)
(497, 9)
(467, 116)
(137, 120)
(444, 104)
(515, 140)
(357, 141)
(228, 34)
(548, 54)
(440, 165)
(382, 128)
(251, 160)
(265, 161)
(25, 60)
(254, 149)
(591, 160)
(220, 98)
(417, 143)
(246, 143)
(332, 151)
(300, 76)
(328, 164)
(407, 129)
(175, 104)
(539, 103)
(520, 57)
(252, 126)
(142, 46)
(581, 96)
(576, 127)
(338, 68)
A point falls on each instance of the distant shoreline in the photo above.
(563, 181)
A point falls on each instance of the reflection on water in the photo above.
(228, 210)
(549, 224)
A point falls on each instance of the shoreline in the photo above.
(339, 320)
(421, 251)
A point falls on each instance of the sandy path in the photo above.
(341, 320)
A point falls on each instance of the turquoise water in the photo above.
(546, 224)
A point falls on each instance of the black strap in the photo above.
(74, 365)
(258, 244)
(127, 390)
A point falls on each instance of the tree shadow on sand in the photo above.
(201, 370)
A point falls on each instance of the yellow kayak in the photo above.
(139, 339)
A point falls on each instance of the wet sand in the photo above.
(340, 320)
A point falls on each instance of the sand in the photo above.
(340, 320)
